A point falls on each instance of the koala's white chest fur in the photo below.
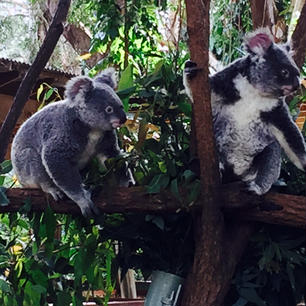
(90, 149)
(242, 132)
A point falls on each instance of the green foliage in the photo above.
(272, 270)
(125, 32)
(151, 242)
(36, 267)
(230, 20)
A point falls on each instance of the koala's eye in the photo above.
(109, 109)
(285, 73)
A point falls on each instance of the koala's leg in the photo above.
(32, 174)
(67, 178)
(107, 148)
(266, 168)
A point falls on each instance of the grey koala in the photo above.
(250, 117)
(53, 145)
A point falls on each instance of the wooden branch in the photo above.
(236, 204)
(31, 77)
(299, 39)
(203, 284)
(260, 14)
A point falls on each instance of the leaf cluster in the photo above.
(272, 270)
(47, 258)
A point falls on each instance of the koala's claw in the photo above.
(56, 194)
(191, 69)
(90, 210)
(253, 188)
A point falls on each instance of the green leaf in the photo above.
(158, 221)
(159, 182)
(174, 189)
(39, 278)
(251, 295)
(2, 180)
(124, 93)
(4, 286)
(49, 93)
(188, 176)
(39, 289)
(39, 91)
(290, 273)
(241, 302)
(162, 166)
(126, 82)
(26, 208)
(159, 66)
(63, 299)
(3, 198)
(5, 166)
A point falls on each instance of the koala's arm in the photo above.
(266, 167)
(107, 148)
(287, 134)
(65, 175)
(190, 71)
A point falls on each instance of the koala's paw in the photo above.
(191, 69)
(89, 209)
(126, 179)
(55, 192)
(253, 188)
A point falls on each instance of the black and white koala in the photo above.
(53, 145)
(250, 117)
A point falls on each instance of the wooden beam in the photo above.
(286, 209)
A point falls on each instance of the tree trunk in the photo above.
(31, 77)
(299, 39)
(262, 16)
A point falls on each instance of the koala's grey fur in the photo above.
(52, 146)
(250, 117)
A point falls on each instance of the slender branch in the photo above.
(31, 77)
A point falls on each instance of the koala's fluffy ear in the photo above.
(258, 42)
(77, 88)
(107, 76)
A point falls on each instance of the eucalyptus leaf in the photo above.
(5, 166)
(4, 201)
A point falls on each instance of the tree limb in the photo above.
(260, 14)
(31, 77)
(236, 205)
(299, 39)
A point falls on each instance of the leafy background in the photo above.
(47, 257)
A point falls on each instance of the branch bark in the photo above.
(31, 77)
(204, 281)
(235, 204)
(299, 39)
(260, 14)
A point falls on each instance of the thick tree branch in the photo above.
(299, 39)
(31, 77)
(261, 17)
(236, 205)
